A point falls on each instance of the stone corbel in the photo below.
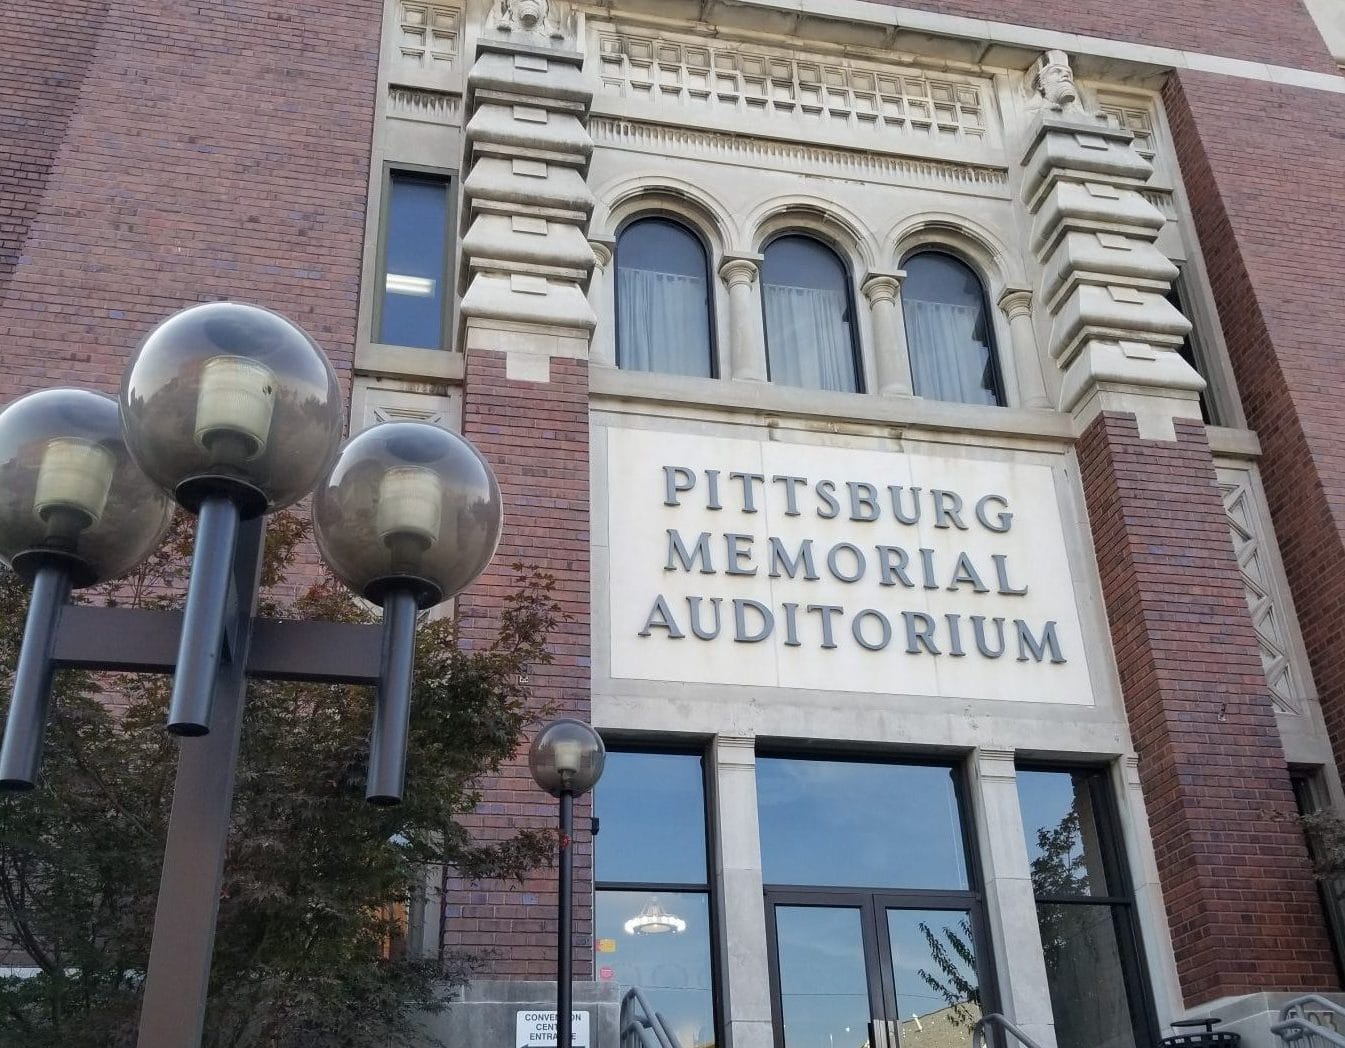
(890, 353)
(1016, 304)
(747, 343)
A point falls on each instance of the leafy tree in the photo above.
(954, 956)
(311, 869)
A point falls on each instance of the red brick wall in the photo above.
(1276, 31)
(1265, 166)
(1241, 900)
(170, 151)
(42, 64)
(536, 436)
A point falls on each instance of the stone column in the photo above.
(745, 962)
(602, 350)
(747, 339)
(1016, 302)
(1010, 906)
(891, 358)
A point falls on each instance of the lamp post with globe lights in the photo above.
(232, 412)
(566, 759)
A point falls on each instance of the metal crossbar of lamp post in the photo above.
(232, 412)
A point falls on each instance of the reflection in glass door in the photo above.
(872, 909)
(934, 992)
(824, 992)
(867, 970)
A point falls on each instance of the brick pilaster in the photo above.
(536, 436)
(1274, 240)
(1241, 899)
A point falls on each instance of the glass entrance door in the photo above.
(873, 970)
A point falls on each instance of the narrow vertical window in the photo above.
(652, 921)
(413, 270)
(949, 332)
(1192, 350)
(810, 334)
(1084, 910)
(662, 300)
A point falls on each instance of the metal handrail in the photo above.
(996, 1019)
(1301, 1022)
(646, 1028)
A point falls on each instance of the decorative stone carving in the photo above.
(891, 354)
(1270, 617)
(603, 349)
(528, 18)
(1055, 81)
(747, 343)
(1016, 303)
(525, 254)
(1114, 335)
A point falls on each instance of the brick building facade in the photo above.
(927, 410)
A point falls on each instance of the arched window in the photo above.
(810, 336)
(662, 300)
(949, 332)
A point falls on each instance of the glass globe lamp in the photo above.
(408, 507)
(70, 495)
(74, 510)
(228, 398)
(408, 517)
(567, 756)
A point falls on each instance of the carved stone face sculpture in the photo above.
(1055, 80)
(530, 13)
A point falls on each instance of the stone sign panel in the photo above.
(839, 569)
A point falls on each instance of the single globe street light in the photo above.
(74, 511)
(566, 759)
(408, 517)
(234, 412)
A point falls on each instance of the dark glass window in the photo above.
(835, 823)
(1312, 798)
(1193, 352)
(810, 335)
(652, 920)
(413, 272)
(948, 331)
(662, 300)
(1084, 910)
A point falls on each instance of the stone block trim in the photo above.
(1276, 31)
(1241, 899)
(172, 153)
(536, 436)
(1274, 239)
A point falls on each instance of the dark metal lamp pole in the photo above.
(232, 412)
(566, 760)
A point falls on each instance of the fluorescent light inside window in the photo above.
(401, 284)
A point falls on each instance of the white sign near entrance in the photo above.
(839, 569)
(538, 1030)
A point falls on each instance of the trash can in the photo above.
(1207, 1038)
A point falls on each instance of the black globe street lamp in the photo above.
(232, 412)
(566, 759)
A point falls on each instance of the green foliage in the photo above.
(1326, 842)
(311, 868)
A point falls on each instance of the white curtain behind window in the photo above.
(808, 339)
(948, 361)
(663, 322)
